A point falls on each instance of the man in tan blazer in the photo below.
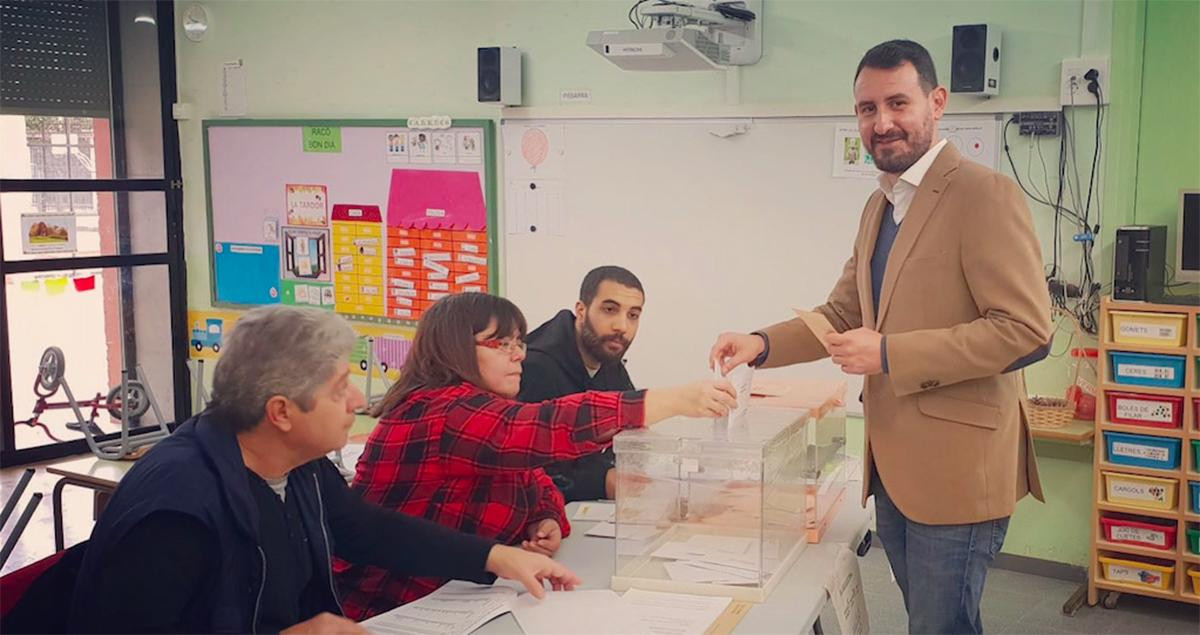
(942, 300)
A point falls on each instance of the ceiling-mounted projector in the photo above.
(681, 36)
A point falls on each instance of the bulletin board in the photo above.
(369, 218)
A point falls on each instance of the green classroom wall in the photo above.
(1169, 139)
(355, 59)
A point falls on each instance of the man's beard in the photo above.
(897, 163)
(594, 344)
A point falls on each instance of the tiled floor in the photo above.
(37, 541)
(1021, 603)
(1013, 602)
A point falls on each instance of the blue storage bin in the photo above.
(1139, 450)
(1195, 488)
(1145, 369)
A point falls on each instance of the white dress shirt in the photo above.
(902, 193)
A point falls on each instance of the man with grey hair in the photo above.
(230, 524)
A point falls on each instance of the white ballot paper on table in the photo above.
(602, 530)
(707, 573)
(461, 607)
(585, 612)
(674, 613)
(595, 511)
(457, 607)
(609, 530)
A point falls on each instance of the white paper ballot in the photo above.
(741, 378)
(595, 511)
(674, 613)
(685, 571)
(609, 530)
(706, 547)
(589, 612)
(457, 607)
(602, 530)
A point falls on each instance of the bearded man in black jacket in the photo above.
(583, 350)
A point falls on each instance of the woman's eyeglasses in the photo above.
(508, 346)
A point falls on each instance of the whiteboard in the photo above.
(729, 223)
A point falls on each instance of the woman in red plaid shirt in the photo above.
(452, 445)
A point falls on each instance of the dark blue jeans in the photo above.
(940, 568)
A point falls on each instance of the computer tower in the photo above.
(1140, 262)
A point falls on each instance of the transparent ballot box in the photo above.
(719, 508)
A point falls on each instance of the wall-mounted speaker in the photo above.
(499, 75)
(975, 60)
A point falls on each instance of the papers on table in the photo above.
(718, 559)
(590, 612)
(462, 607)
(708, 573)
(602, 611)
(674, 613)
(595, 511)
(609, 530)
(602, 530)
(457, 607)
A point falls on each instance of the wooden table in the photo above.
(100, 475)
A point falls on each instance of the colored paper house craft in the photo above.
(436, 199)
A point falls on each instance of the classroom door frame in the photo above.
(170, 185)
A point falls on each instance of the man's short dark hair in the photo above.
(894, 53)
(619, 275)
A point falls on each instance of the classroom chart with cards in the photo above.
(373, 219)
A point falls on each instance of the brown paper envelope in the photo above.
(818, 324)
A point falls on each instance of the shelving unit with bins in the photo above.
(1179, 559)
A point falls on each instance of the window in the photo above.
(90, 218)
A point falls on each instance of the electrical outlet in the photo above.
(1073, 89)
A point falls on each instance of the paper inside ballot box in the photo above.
(818, 395)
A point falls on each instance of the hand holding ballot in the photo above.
(530, 569)
(858, 351)
(704, 398)
(734, 349)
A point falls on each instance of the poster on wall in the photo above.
(850, 156)
(305, 254)
(307, 205)
(540, 152)
(420, 147)
(47, 233)
(374, 232)
(470, 146)
(443, 147)
(208, 332)
(397, 146)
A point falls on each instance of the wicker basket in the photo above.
(1049, 412)
(1054, 412)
